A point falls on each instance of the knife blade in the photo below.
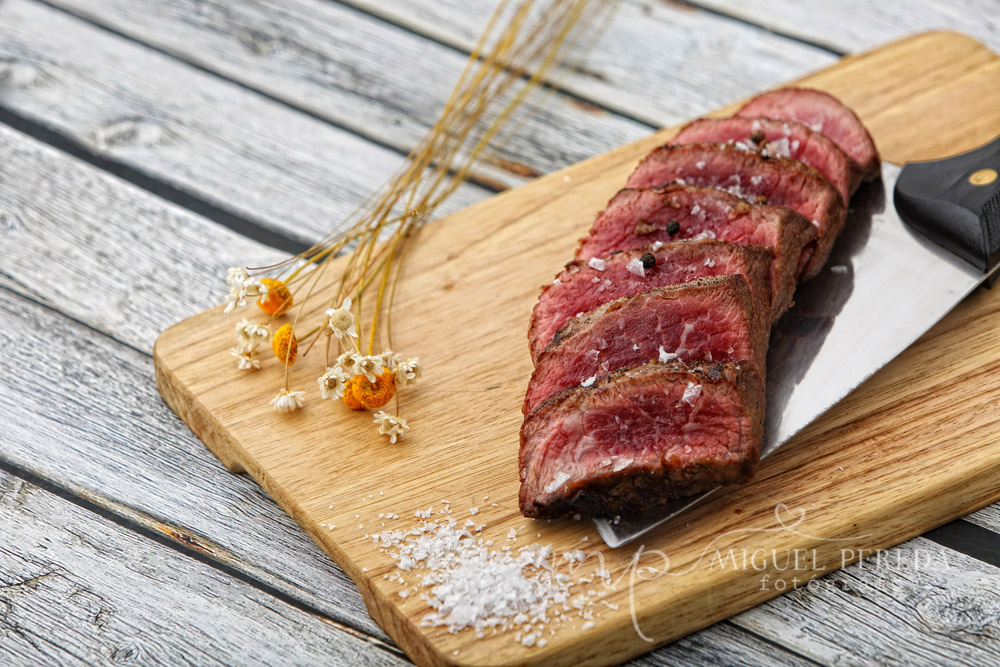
(886, 283)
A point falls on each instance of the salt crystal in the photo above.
(656, 246)
(557, 282)
(557, 481)
(404, 593)
(588, 625)
(512, 534)
(704, 234)
(621, 464)
(473, 510)
(700, 164)
(691, 393)
(666, 356)
(589, 381)
(709, 262)
(635, 266)
(529, 640)
(597, 264)
(576, 517)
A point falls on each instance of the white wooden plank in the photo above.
(85, 412)
(855, 25)
(359, 72)
(988, 517)
(232, 147)
(661, 62)
(76, 589)
(918, 603)
(106, 253)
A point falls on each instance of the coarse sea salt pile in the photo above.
(469, 584)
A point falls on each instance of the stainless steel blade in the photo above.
(883, 287)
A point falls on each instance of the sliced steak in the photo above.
(784, 138)
(753, 177)
(708, 320)
(640, 217)
(582, 287)
(641, 437)
(824, 113)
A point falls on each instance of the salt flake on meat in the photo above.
(635, 266)
(691, 393)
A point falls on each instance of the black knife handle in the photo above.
(956, 202)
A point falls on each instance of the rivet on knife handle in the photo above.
(956, 203)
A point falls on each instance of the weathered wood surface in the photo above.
(102, 432)
(855, 25)
(356, 72)
(887, 433)
(916, 604)
(721, 644)
(77, 589)
(332, 63)
(230, 146)
(660, 62)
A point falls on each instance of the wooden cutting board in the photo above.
(914, 447)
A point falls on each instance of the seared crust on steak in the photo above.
(754, 177)
(712, 319)
(640, 437)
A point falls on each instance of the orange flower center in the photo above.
(278, 298)
(284, 345)
(360, 394)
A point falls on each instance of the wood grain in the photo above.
(77, 589)
(202, 134)
(887, 434)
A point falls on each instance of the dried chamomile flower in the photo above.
(369, 366)
(244, 359)
(349, 362)
(284, 344)
(408, 372)
(275, 298)
(373, 395)
(333, 382)
(341, 320)
(241, 285)
(392, 426)
(287, 401)
(250, 334)
(390, 360)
